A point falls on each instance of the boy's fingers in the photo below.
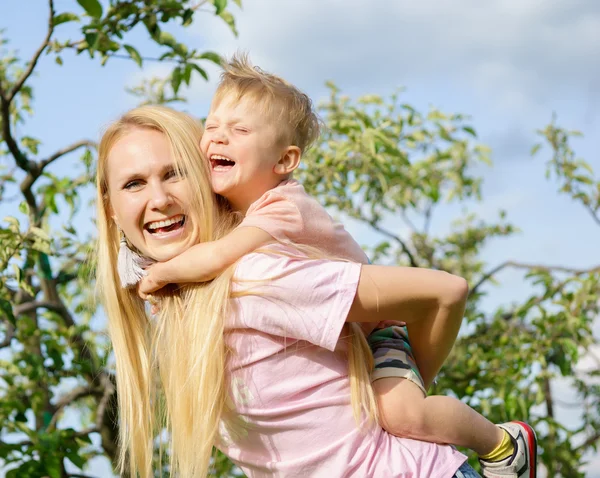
(147, 286)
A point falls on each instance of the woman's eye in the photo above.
(175, 174)
(132, 184)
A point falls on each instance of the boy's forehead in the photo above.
(232, 109)
(232, 102)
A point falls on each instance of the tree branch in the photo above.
(34, 305)
(36, 56)
(402, 244)
(109, 389)
(7, 97)
(589, 442)
(8, 335)
(67, 150)
(594, 215)
(20, 158)
(539, 267)
(69, 398)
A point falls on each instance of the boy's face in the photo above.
(241, 145)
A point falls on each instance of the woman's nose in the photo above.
(160, 199)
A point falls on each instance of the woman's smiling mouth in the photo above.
(165, 227)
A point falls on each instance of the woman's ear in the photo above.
(290, 160)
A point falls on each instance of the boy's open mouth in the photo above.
(167, 225)
(221, 163)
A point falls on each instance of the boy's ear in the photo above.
(290, 160)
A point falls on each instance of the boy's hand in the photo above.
(151, 282)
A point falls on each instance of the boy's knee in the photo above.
(403, 419)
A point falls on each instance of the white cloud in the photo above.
(516, 52)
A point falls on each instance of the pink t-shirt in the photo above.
(289, 379)
(291, 216)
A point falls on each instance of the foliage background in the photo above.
(508, 64)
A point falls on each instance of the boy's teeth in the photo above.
(221, 168)
(168, 222)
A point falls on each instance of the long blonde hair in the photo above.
(171, 370)
(185, 343)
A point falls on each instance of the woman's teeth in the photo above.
(156, 225)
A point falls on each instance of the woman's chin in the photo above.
(163, 247)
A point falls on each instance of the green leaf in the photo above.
(176, 78)
(187, 73)
(470, 130)
(238, 3)
(52, 464)
(46, 418)
(134, 54)
(6, 309)
(535, 149)
(64, 18)
(200, 70)
(228, 18)
(36, 231)
(220, 6)
(166, 38)
(91, 7)
(77, 460)
(91, 39)
(58, 60)
(212, 56)
(186, 18)
(21, 417)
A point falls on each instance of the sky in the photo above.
(510, 64)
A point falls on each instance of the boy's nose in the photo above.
(220, 137)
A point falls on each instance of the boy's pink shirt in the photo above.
(291, 216)
(289, 370)
(289, 379)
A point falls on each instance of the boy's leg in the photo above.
(407, 411)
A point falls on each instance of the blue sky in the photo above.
(508, 63)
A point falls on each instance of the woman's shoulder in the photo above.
(272, 259)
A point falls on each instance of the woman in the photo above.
(254, 365)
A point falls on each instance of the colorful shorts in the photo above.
(393, 355)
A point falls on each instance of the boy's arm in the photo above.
(204, 261)
(432, 304)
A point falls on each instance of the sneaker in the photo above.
(523, 462)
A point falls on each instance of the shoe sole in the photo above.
(532, 441)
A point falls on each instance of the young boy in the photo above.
(255, 134)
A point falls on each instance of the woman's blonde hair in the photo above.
(170, 371)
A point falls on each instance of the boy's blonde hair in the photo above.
(290, 109)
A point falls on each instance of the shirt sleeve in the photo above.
(281, 293)
(276, 215)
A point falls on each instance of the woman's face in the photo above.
(148, 198)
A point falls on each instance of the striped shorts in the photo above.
(393, 355)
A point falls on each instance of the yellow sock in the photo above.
(502, 451)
